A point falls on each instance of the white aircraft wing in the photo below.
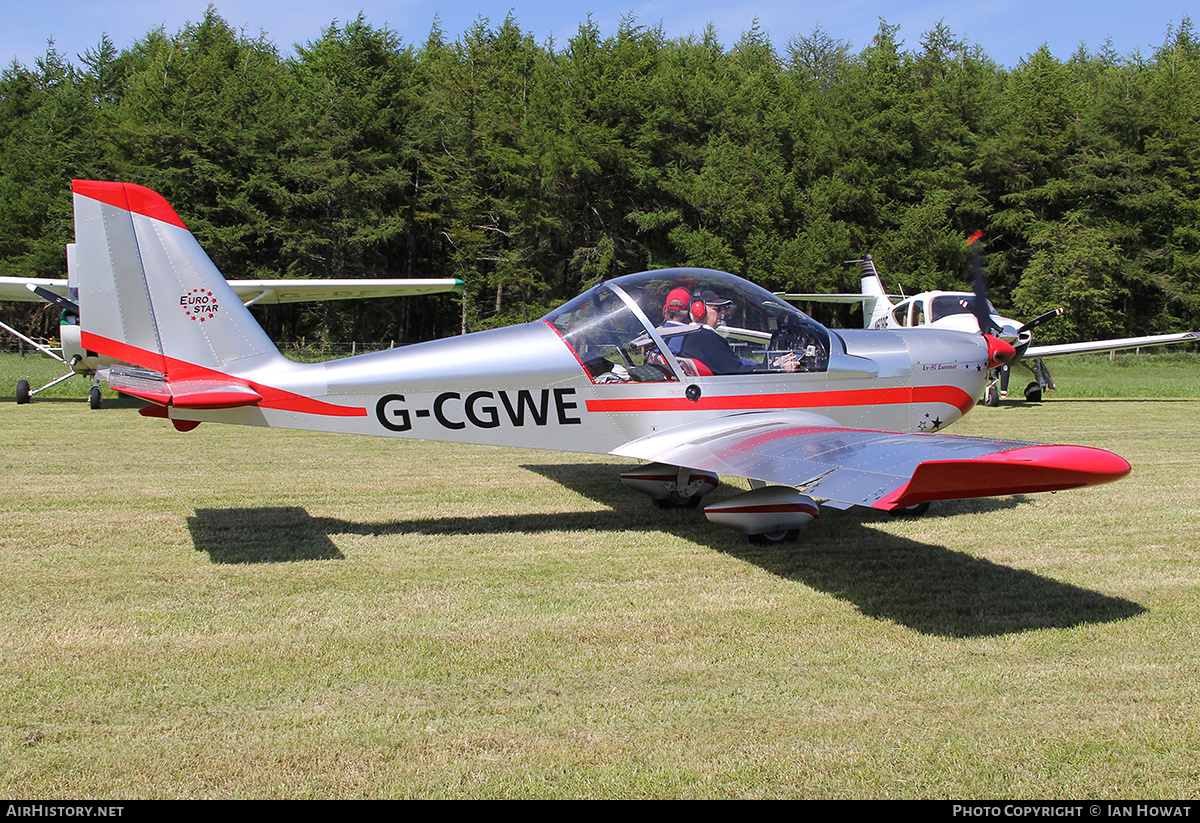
(270, 291)
(828, 298)
(885, 470)
(1034, 352)
(302, 291)
(17, 289)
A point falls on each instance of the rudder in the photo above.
(148, 292)
(876, 308)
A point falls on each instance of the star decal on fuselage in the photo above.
(929, 425)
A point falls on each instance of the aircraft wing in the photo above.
(302, 291)
(829, 298)
(1034, 352)
(867, 301)
(860, 467)
(17, 289)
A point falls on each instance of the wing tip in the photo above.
(1022, 470)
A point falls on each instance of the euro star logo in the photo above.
(199, 304)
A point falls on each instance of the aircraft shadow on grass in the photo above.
(928, 588)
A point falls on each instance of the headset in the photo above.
(677, 300)
(696, 308)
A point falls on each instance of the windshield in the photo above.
(710, 323)
(945, 305)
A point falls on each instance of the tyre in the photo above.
(95, 398)
(1033, 393)
(774, 538)
(911, 511)
(675, 501)
(23, 396)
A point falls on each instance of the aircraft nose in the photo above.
(999, 352)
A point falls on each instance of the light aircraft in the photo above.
(80, 361)
(954, 310)
(851, 423)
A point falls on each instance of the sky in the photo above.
(1008, 30)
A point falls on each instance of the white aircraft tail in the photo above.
(875, 310)
(148, 293)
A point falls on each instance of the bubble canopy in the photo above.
(618, 329)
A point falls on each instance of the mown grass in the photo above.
(237, 612)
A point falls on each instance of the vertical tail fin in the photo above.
(148, 293)
(875, 310)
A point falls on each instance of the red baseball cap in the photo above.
(677, 300)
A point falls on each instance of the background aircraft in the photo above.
(72, 354)
(953, 310)
(853, 425)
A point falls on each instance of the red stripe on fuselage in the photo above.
(180, 371)
(950, 395)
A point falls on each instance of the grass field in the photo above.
(236, 612)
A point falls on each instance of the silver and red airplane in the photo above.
(809, 417)
(956, 310)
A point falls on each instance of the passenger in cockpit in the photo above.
(694, 317)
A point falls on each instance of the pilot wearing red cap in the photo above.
(701, 310)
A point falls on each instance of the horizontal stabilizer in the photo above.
(200, 395)
(187, 394)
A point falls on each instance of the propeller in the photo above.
(51, 297)
(999, 352)
(983, 317)
(1039, 320)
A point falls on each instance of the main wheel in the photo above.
(915, 510)
(1033, 393)
(95, 398)
(991, 397)
(677, 501)
(774, 538)
(22, 392)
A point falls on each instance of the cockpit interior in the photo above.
(620, 330)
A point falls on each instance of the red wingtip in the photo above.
(130, 197)
(1017, 471)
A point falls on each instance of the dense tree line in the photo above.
(529, 171)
